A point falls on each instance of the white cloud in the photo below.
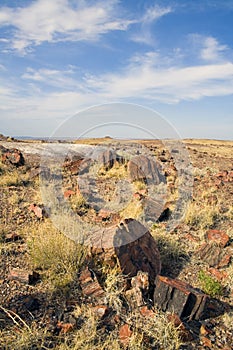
(152, 14)
(212, 50)
(54, 21)
(208, 48)
(149, 80)
(52, 77)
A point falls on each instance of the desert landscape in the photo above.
(160, 289)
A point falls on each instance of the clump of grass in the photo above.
(210, 285)
(114, 284)
(133, 210)
(10, 178)
(56, 255)
(172, 252)
(201, 215)
(153, 332)
(22, 336)
(118, 171)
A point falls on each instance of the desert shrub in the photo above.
(56, 255)
(209, 284)
(201, 215)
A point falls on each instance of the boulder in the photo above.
(142, 168)
(188, 303)
(12, 157)
(131, 244)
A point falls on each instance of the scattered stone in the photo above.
(125, 334)
(23, 276)
(220, 275)
(140, 287)
(13, 157)
(218, 237)
(101, 310)
(11, 237)
(146, 312)
(225, 261)
(214, 255)
(179, 297)
(142, 168)
(90, 285)
(184, 333)
(68, 193)
(38, 211)
(131, 244)
(107, 158)
(64, 327)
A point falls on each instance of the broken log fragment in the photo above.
(132, 245)
(90, 285)
(23, 276)
(187, 302)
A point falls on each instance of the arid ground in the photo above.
(59, 294)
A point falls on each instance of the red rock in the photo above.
(144, 311)
(24, 276)
(13, 157)
(137, 196)
(90, 285)
(222, 174)
(217, 236)
(65, 327)
(179, 297)
(101, 310)
(105, 214)
(190, 237)
(37, 210)
(184, 333)
(220, 275)
(68, 193)
(225, 261)
(125, 334)
(206, 342)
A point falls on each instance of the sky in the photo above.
(60, 58)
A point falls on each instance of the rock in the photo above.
(124, 335)
(140, 287)
(184, 333)
(146, 312)
(220, 275)
(214, 255)
(187, 302)
(31, 303)
(13, 157)
(142, 168)
(101, 310)
(131, 244)
(218, 237)
(73, 163)
(68, 193)
(90, 285)
(23, 276)
(107, 158)
(64, 328)
(140, 254)
(11, 237)
(38, 211)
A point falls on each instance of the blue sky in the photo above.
(59, 57)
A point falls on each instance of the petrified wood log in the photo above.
(131, 244)
(187, 302)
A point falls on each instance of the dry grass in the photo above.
(56, 255)
(201, 215)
